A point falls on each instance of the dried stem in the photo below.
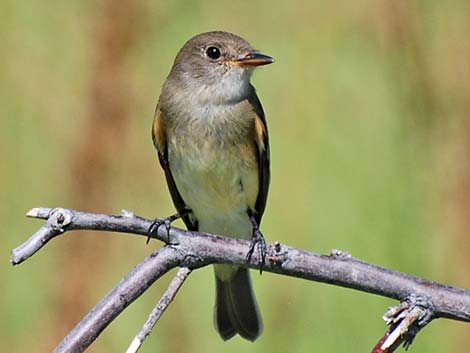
(159, 309)
(194, 250)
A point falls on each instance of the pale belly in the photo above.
(218, 184)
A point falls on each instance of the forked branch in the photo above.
(193, 250)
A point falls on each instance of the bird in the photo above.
(211, 136)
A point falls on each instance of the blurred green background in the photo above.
(368, 106)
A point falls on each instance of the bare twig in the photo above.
(61, 219)
(159, 309)
(126, 291)
(193, 250)
(405, 320)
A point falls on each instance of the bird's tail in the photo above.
(236, 310)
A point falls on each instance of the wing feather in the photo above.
(262, 144)
(160, 142)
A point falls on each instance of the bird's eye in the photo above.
(213, 52)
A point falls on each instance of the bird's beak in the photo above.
(253, 59)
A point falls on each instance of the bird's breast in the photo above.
(216, 173)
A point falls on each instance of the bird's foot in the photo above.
(158, 222)
(258, 243)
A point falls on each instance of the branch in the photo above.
(126, 291)
(194, 250)
(159, 309)
(405, 320)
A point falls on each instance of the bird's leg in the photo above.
(257, 238)
(153, 229)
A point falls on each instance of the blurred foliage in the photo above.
(368, 109)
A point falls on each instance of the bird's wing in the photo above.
(160, 142)
(262, 144)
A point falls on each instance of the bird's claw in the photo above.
(257, 241)
(156, 224)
